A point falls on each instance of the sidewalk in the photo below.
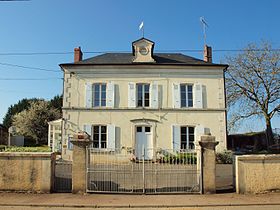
(138, 201)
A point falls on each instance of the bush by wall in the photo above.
(224, 157)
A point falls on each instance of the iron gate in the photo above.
(120, 171)
(63, 176)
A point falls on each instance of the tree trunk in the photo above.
(269, 133)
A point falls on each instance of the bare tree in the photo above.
(253, 85)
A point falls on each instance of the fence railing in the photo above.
(146, 171)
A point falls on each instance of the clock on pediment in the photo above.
(143, 51)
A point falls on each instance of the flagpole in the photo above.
(143, 32)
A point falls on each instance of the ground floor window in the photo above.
(99, 133)
(187, 137)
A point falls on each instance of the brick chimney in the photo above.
(207, 54)
(78, 54)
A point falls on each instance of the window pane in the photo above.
(183, 88)
(147, 103)
(103, 95)
(183, 138)
(147, 88)
(103, 144)
(103, 129)
(190, 88)
(191, 130)
(190, 103)
(95, 145)
(183, 103)
(148, 129)
(139, 95)
(96, 129)
(96, 88)
(103, 103)
(191, 146)
(96, 103)
(183, 130)
(183, 145)
(191, 138)
(96, 137)
(138, 129)
(103, 88)
(103, 137)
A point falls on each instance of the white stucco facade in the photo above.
(164, 113)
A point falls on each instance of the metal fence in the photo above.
(63, 176)
(120, 171)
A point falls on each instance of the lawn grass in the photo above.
(27, 149)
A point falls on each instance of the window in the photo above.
(143, 95)
(187, 137)
(99, 94)
(186, 92)
(99, 136)
(144, 129)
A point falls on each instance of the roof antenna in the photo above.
(204, 25)
(141, 27)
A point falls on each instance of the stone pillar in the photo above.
(208, 161)
(80, 142)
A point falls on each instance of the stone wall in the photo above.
(26, 171)
(257, 173)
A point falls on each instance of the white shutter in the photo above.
(131, 95)
(176, 138)
(111, 137)
(199, 131)
(88, 95)
(176, 95)
(154, 95)
(110, 95)
(198, 103)
(87, 128)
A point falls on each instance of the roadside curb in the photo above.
(139, 206)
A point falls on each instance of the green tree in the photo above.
(33, 122)
(253, 85)
(56, 102)
(16, 108)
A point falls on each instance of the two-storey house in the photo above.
(143, 100)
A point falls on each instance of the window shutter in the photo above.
(131, 95)
(87, 128)
(111, 137)
(154, 95)
(176, 95)
(199, 131)
(88, 95)
(176, 138)
(110, 95)
(198, 103)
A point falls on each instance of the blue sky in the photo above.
(110, 25)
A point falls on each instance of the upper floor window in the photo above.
(143, 95)
(99, 135)
(99, 94)
(186, 92)
(187, 137)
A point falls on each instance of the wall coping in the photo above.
(26, 154)
(258, 157)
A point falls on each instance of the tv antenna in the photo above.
(204, 25)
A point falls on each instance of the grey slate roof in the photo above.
(127, 59)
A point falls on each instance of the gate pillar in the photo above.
(80, 141)
(208, 162)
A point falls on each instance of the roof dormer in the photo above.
(143, 51)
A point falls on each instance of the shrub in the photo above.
(181, 158)
(2, 147)
(224, 157)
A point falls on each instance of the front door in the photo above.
(144, 143)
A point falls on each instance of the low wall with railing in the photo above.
(257, 173)
(26, 171)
